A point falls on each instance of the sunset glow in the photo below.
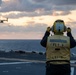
(33, 17)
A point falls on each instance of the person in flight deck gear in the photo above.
(58, 49)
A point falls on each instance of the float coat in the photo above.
(58, 49)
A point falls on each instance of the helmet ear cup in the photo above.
(52, 28)
(65, 28)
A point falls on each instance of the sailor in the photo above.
(58, 49)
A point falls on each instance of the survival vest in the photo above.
(58, 48)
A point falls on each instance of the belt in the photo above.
(58, 62)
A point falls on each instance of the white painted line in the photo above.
(24, 60)
(28, 60)
(72, 70)
(11, 63)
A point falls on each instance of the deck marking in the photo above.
(75, 70)
(11, 63)
(72, 70)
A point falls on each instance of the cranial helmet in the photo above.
(58, 27)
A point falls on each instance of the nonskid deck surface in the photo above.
(14, 66)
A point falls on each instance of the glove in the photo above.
(68, 29)
(48, 29)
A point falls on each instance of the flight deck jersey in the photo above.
(58, 48)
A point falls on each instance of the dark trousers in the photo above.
(52, 69)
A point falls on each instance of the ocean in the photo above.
(24, 45)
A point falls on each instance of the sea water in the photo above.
(24, 45)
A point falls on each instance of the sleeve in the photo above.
(72, 40)
(43, 42)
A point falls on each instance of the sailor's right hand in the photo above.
(68, 29)
(48, 29)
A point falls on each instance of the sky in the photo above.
(28, 19)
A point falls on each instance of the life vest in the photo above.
(58, 48)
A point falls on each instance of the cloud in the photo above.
(19, 5)
(35, 31)
(62, 2)
(27, 14)
(35, 27)
(24, 29)
(14, 15)
(34, 8)
(38, 5)
(0, 2)
(57, 2)
(71, 24)
(39, 1)
(31, 30)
